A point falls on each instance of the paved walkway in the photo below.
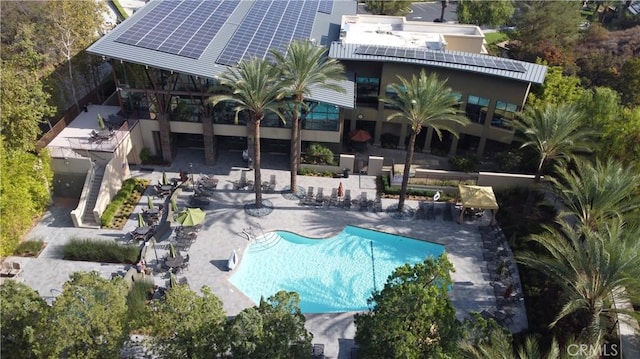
(222, 233)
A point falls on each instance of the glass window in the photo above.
(391, 93)
(322, 116)
(367, 89)
(476, 109)
(504, 113)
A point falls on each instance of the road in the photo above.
(425, 11)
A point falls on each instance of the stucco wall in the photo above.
(115, 172)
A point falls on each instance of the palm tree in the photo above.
(554, 131)
(303, 67)
(253, 86)
(594, 193)
(423, 101)
(591, 267)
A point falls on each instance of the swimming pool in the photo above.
(331, 274)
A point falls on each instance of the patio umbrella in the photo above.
(164, 179)
(150, 201)
(173, 282)
(141, 220)
(101, 122)
(172, 250)
(340, 190)
(174, 204)
(359, 136)
(191, 217)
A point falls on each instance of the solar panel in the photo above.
(446, 57)
(325, 6)
(269, 25)
(182, 28)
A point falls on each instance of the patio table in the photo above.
(173, 262)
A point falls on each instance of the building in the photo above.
(167, 55)
(491, 89)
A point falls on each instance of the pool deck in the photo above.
(222, 233)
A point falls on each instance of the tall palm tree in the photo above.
(253, 86)
(591, 267)
(594, 193)
(554, 131)
(423, 101)
(305, 66)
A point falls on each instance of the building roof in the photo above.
(179, 36)
(522, 71)
(398, 31)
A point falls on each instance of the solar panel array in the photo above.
(269, 25)
(325, 6)
(421, 54)
(182, 28)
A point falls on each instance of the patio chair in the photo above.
(185, 264)
(16, 269)
(346, 202)
(363, 201)
(242, 182)
(320, 196)
(6, 269)
(272, 183)
(317, 351)
(333, 199)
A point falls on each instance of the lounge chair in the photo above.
(317, 351)
(320, 196)
(6, 269)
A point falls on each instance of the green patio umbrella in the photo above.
(141, 220)
(150, 201)
(191, 217)
(101, 122)
(172, 250)
(164, 179)
(173, 282)
(174, 204)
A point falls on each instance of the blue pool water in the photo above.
(331, 274)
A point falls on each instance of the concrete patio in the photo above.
(222, 233)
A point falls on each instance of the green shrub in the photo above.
(90, 250)
(318, 154)
(129, 186)
(29, 248)
(509, 160)
(137, 308)
(395, 190)
(463, 163)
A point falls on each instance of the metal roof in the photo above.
(326, 28)
(534, 73)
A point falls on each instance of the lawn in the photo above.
(495, 37)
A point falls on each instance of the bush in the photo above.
(309, 172)
(395, 190)
(90, 250)
(145, 155)
(29, 248)
(318, 154)
(128, 188)
(463, 163)
(137, 309)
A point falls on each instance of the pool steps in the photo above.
(264, 242)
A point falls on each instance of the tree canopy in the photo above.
(274, 329)
(22, 311)
(480, 12)
(87, 320)
(189, 325)
(388, 7)
(411, 317)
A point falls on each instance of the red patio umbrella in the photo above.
(340, 190)
(359, 135)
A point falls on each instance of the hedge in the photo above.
(92, 250)
(128, 187)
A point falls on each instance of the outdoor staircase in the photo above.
(88, 219)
